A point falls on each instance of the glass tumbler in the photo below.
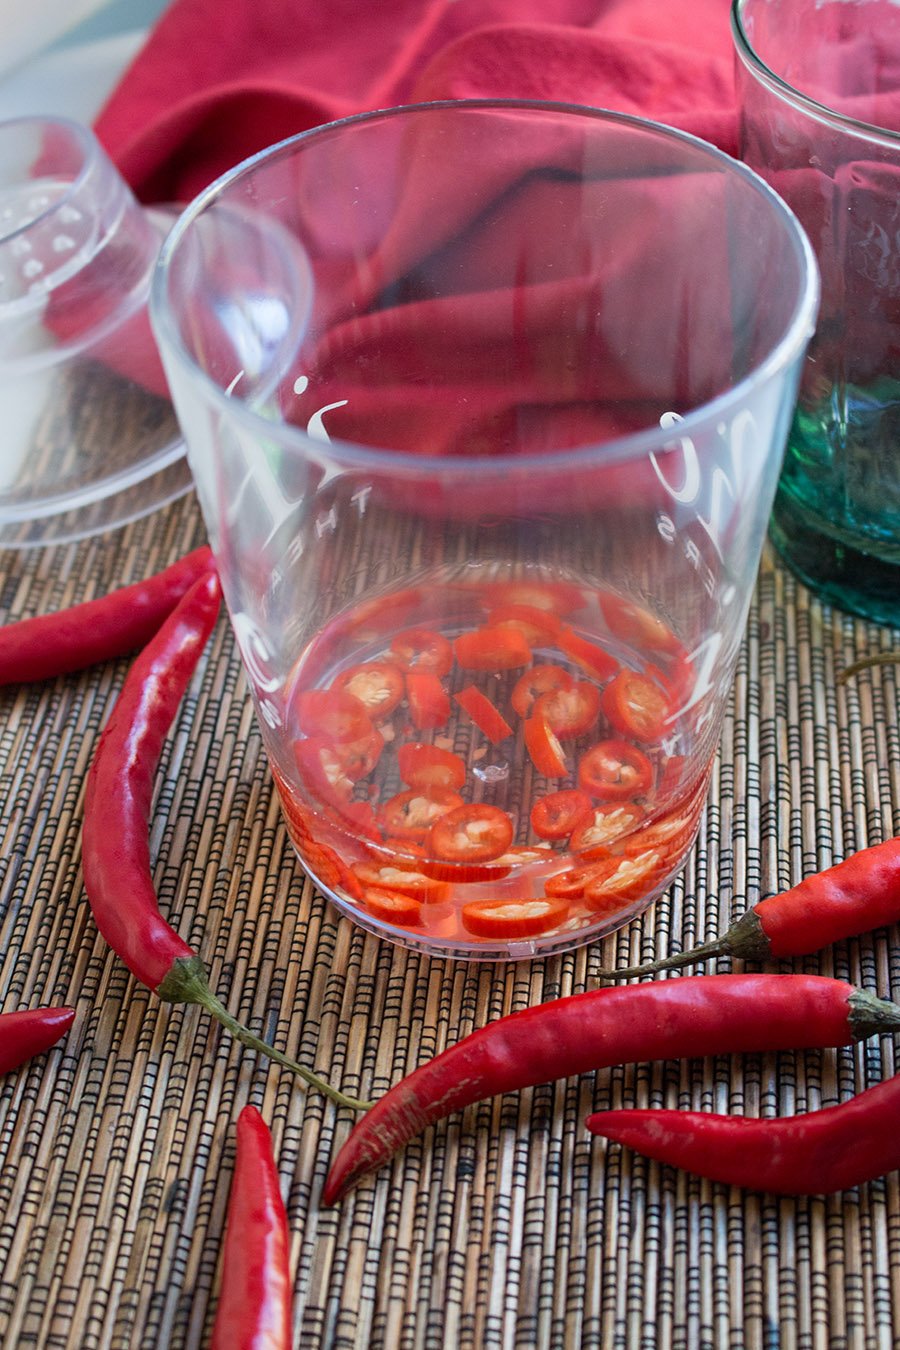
(819, 90)
(90, 439)
(485, 405)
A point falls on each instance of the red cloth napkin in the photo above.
(219, 80)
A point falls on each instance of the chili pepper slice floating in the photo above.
(853, 897)
(544, 748)
(663, 1019)
(812, 1154)
(473, 832)
(423, 649)
(97, 630)
(540, 679)
(500, 648)
(535, 624)
(397, 907)
(429, 702)
(430, 766)
(570, 712)
(29, 1031)
(255, 1300)
(635, 706)
(557, 814)
(614, 770)
(595, 660)
(509, 919)
(486, 715)
(411, 814)
(333, 714)
(378, 685)
(118, 797)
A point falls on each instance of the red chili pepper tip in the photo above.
(118, 797)
(816, 1153)
(29, 1031)
(255, 1300)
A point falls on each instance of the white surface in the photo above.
(73, 81)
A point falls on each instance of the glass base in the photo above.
(839, 570)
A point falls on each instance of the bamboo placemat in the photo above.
(507, 1226)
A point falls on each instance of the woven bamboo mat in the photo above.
(507, 1226)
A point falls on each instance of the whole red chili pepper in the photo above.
(855, 896)
(97, 630)
(812, 1154)
(254, 1310)
(28, 1032)
(118, 797)
(665, 1019)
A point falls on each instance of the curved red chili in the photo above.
(812, 1154)
(118, 797)
(254, 1311)
(666, 1019)
(97, 630)
(30, 1031)
(853, 897)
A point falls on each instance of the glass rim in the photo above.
(780, 355)
(80, 133)
(821, 112)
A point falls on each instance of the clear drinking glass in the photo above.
(90, 439)
(485, 405)
(819, 87)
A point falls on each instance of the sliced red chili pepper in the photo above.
(411, 814)
(492, 649)
(510, 919)
(635, 624)
(391, 878)
(430, 766)
(570, 712)
(606, 824)
(635, 706)
(617, 880)
(570, 884)
(429, 702)
(332, 714)
(97, 630)
(614, 771)
(423, 649)
(473, 832)
(392, 906)
(255, 1298)
(561, 597)
(29, 1031)
(557, 814)
(595, 660)
(538, 680)
(115, 844)
(545, 750)
(322, 769)
(486, 715)
(378, 685)
(535, 625)
(656, 1019)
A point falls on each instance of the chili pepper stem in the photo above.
(870, 1015)
(745, 939)
(187, 982)
(867, 663)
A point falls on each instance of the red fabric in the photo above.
(221, 79)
